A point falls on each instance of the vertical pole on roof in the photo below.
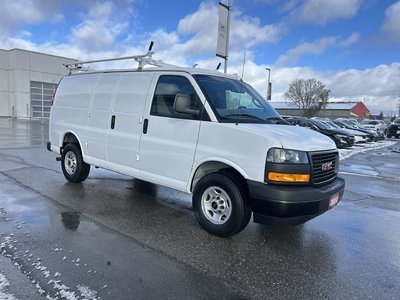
(223, 32)
(269, 91)
(227, 36)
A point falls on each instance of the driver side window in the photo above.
(167, 88)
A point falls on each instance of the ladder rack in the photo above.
(142, 60)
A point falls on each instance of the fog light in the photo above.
(284, 177)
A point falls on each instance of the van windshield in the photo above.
(234, 101)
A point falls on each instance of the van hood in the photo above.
(291, 137)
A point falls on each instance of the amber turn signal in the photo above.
(284, 177)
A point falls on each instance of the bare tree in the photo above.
(309, 95)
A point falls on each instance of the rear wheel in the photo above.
(220, 206)
(74, 168)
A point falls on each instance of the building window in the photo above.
(41, 95)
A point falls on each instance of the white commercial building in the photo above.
(27, 82)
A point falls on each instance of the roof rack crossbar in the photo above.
(142, 59)
(135, 57)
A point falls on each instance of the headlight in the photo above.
(340, 137)
(278, 155)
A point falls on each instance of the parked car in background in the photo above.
(359, 136)
(377, 125)
(394, 129)
(377, 135)
(341, 138)
(373, 135)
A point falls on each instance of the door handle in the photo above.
(112, 122)
(145, 125)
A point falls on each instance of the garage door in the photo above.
(41, 95)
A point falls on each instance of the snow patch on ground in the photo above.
(86, 292)
(360, 148)
(4, 284)
(60, 290)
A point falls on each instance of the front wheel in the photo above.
(220, 206)
(74, 168)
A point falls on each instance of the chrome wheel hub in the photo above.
(70, 163)
(216, 205)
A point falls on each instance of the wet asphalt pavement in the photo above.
(113, 237)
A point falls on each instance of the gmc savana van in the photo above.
(201, 132)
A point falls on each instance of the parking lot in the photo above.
(114, 237)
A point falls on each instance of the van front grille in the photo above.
(324, 167)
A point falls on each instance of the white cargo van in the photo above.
(201, 132)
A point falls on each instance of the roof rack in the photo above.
(142, 60)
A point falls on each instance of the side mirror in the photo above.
(182, 105)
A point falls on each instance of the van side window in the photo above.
(163, 100)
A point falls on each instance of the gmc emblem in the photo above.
(327, 166)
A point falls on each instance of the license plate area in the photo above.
(333, 200)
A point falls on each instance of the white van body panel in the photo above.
(70, 110)
(292, 137)
(245, 146)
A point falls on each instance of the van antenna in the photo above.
(244, 62)
(218, 66)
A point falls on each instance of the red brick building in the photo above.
(332, 110)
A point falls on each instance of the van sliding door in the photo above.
(125, 122)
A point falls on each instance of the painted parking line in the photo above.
(369, 176)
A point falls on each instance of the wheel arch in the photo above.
(216, 166)
(71, 137)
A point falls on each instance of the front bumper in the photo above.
(291, 205)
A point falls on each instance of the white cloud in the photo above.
(99, 30)
(201, 30)
(378, 87)
(391, 24)
(316, 47)
(321, 12)
(319, 46)
(14, 14)
(351, 40)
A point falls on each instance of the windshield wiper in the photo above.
(278, 120)
(233, 116)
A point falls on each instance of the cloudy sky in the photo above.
(353, 46)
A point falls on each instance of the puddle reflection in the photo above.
(71, 220)
(143, 187)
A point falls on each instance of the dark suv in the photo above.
(341, 138)
(394, 129)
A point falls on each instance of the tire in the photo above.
(220, 206)
(74, 168)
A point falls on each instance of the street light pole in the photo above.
(269, 84)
